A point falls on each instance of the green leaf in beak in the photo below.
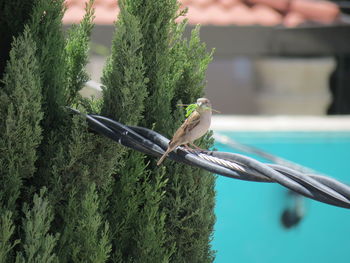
(191, 108)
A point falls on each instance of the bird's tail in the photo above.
(163, 157)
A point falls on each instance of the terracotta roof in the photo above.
(226, 12)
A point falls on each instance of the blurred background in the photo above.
(271, 56)
(281, 78)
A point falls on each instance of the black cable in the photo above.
(237, 166)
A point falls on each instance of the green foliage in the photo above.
(20, 110)
(123, 77)
(14, 15)
(195, 60)
(137, 222)
(176, 69)
(38, 244)
(100, 202)
(191, 196)
(7, 229)
(46, 28)
(86, 160)
(158, 34)
(70, 158)
(76, 57)
(89, 232)
(137, 216)
(189, 206)
(190, 108)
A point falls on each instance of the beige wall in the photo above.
(231, 85)
(270, 86)
(293, 85)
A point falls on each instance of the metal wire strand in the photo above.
(318, 187)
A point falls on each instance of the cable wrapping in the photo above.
(318, 187)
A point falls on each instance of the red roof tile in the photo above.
(73, 14)
(203, 3)
(280, 5)
(226, 12)
(293, 19)
(240, 15)
(227, 3)
(266, 15)
(319, 11)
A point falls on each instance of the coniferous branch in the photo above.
(37, 243)
(76, 55)
(134, 213)
(71, 158)
(87, 160)
(106, 202)
(7, 229)
(91, 233)
(191, 200)
(157, 29)
(14, 16)
(124, 74)
(20, 131)
(46, 29)
(175, 69)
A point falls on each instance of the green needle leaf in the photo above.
(191, 108)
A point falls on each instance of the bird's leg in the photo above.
(198, 148)
(188, 148)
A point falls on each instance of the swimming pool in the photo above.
(248, 227)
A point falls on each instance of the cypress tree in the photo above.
(86, 198)
(12, 26)
(20, 131)
(73, 158)
(175, 69)
(46, 27)
(7, 229)
(91, 236)
(136, 219)
(20, 134)
(37, 243)
(79, 207)
(76, 56)
(69, 160)
(190, 198)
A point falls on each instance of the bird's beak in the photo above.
(200, 104)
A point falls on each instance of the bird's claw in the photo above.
(196, 150)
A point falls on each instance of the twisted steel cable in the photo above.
(237, 166)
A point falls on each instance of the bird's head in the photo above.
(203, 104)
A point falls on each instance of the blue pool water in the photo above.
(248, 227)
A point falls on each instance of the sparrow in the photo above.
(194, 127)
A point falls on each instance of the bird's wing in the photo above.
(192, 121)
(188, 125)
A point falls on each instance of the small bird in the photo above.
(194, 127)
